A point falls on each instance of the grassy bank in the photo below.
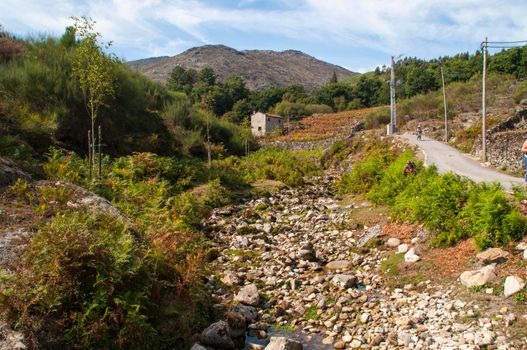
(449, 206)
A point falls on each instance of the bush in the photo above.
(520, 93)
(489, 216)
(90, 280)
(393, 181)
(290, 167)
(377, 118)
(432, 200)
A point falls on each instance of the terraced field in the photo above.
(324, 126)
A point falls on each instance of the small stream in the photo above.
(309, 341)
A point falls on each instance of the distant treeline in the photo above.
(41, 102)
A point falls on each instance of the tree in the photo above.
(181, 79)
(207, 76)
(94, 70)
(333, 79)
(68, 38)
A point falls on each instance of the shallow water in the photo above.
(309, 341)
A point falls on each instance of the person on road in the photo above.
(419, 133)
(524, 152)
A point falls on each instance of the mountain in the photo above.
(259, 68)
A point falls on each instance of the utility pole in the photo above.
(393, 110)
(444, 104)
(484, 104)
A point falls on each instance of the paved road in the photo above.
(447, 158)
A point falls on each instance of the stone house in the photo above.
(263, 123)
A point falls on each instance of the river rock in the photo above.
(267, 228)
(477, 277)
(513, 285)
(344, 281)
(393, 242)
(283, 343)
(369, 234)
(521, 246)
(339, 265)
(492, 255)
(249, 312)
(237, 324)
(248, 295)
(217, 335)
(402, 248)
(411, 256)
(198, 346)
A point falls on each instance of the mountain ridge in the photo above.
(259, 68)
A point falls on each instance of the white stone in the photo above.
(282, 343)
(411, 256)
(521, 246)
(477, 277)
(402, 248)
(513, 284)
(248, 295)
(393, 242)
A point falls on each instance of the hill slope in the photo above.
(259, 68)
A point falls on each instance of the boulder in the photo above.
(217, 335)
(249, 312)
(402, 248)
(477, 277)
(283, 343)
(492, 255)
(513, 285)
(237, 324)
(248, 295)
(9, 173)
(393, 242)
(339, 265)
(198, 346)
(344, 281)
(521, 246)
(370, 233)
(411, 256)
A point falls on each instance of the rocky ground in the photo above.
(297, 261)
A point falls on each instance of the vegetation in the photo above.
(449, 206)
(93, 280)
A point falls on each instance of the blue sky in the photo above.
(356, 34)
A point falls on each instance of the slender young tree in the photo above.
(94, 70)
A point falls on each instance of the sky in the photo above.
(356, 34)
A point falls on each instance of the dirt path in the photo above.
(447, 159)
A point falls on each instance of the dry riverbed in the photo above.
(327, 272)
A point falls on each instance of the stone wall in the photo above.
(504, 142)
(304, 145)
(504, 150)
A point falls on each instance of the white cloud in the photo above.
(414, 27)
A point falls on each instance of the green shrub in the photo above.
(89, 279)
(290, 167)
(365, 173)
(377, 119)
(490, 218)
(393, 181)
(434, 200)
(520, 93)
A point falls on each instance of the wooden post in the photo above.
(444, 104)
(209, 163)
(89, 152)
(393, 108)
(484, 105)
(100, 158)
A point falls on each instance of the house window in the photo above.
(268, 119)
(259, 128)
